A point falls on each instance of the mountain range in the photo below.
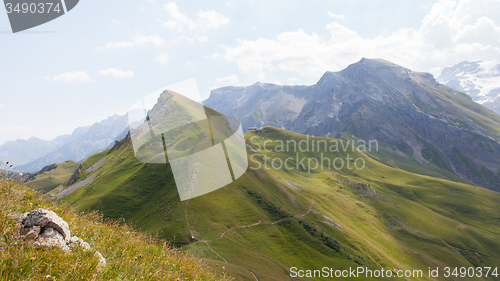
(21, 151)
(33, 154)
(481, 80)
(420, 125)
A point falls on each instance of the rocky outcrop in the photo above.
(44, 228)
(47, 168)
(74, 177)
(48, 220)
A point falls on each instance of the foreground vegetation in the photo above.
(130, 255)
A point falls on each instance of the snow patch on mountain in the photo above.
(481, 80)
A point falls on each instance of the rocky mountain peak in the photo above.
(416, 119)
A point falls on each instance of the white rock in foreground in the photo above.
(46, 218)
(44, 228)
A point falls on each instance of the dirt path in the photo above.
(254, 275)
(310, 208)
(242, 226)
(96, 165)
(88, 180)
(84, 182)
(216, 252)
(74, 187)
(251, 225)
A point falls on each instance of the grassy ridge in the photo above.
(271, 219)
(49, 180)
(130, 255)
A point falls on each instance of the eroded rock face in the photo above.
(51, 238)
(44, 228)
(31, 233)
(46, 218)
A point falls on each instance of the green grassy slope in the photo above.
(51, 179)
(129, 254)
(270, 220)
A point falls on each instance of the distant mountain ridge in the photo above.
(21, 151)
(421, 125)
(481, 80)
(80, 144)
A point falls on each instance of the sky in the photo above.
(103, 56)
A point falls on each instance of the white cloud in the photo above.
(172, 24)
(231, 80)
(113, 72)
(451, 32)
(479, 31)
(163, 58)
(2, 106)
(138, 40)
(174, 12)
(435, 71)
(332, 15)
(291, 51)
(206, 19)
(202, 38)
(144, 40)
(183, 37)
(73, 77)
(114, 45)
(210, 20)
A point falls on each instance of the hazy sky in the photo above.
(102, 56)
